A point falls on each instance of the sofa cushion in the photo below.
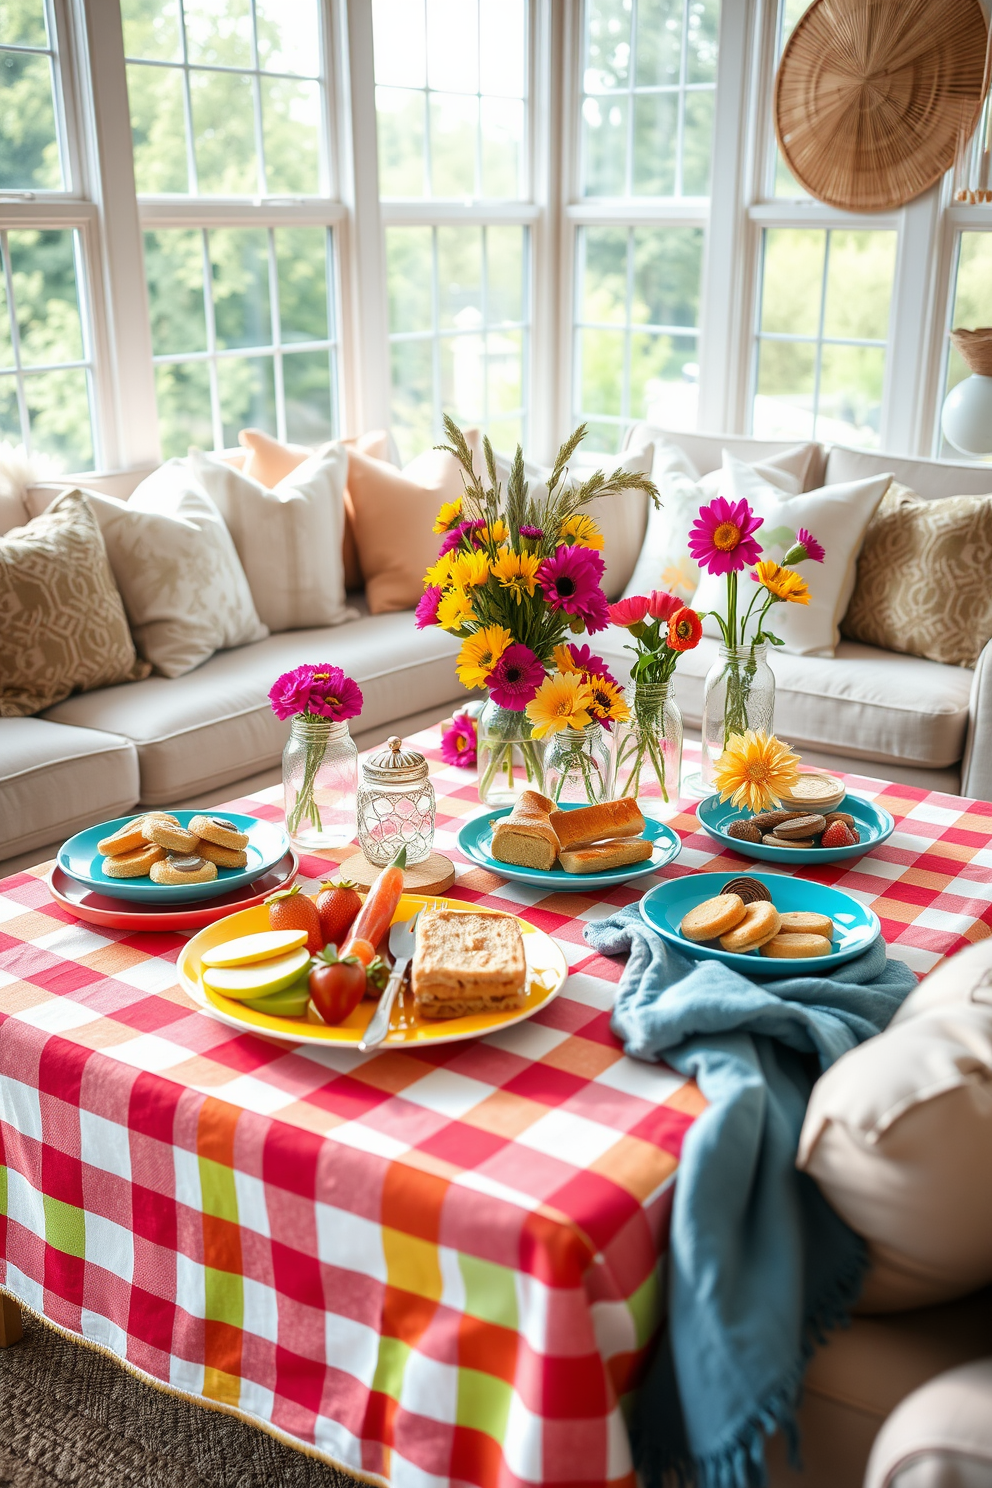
(930, 479)
(705, 451)
(862, 703)
(216, 725)
(54, 781)
(940, 1436)
(394, 513)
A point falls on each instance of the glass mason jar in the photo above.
(396, 805)
(577, 766)
(739, 695)
(511, 760)
(320, 783)
(647, 748)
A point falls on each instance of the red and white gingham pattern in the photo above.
(436, 1266)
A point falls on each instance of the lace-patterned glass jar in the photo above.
(396, 805)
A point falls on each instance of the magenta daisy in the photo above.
(333, 695)
(515, 678)
(453, 538)
(721, 537)
(570, 581)
(662, 606)
(533, 533)
(426, 611)
(805, 546)
(630, 611)
(458, 742)
(290, 693)
(587, 662)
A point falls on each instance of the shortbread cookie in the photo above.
(798, 947)
(713, 918)
(761, 921)
(130, 835)
(801, 826)
(134, 864)
(224, 857)
(748, 889)
(744, 831)
(183, 868)
(218, 829)
(168, 834)
(805, 922)
(771, 839)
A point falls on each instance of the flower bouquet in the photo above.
(514, 576)
(572, 707)
(649, 744)
(320, 761)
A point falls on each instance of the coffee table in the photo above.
(439, 1266)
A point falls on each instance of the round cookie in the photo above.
(744, 831)
(770, 839)
(134, 864)
(801, 826)
(168, 834)
(748, 889)
(788, 947)
(224, 857)
(713, 918)
(130, 836)
(842, 816)
(183, 868)
(805, 922)
(761, 921)
(219, 830)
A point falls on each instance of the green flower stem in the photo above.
(305, 805)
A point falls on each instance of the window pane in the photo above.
(224, 133)
(301, 260)
(604, 144)
(459, 277)
(697, 146)
(59, 415)
(29, 151)
(291, 131)
(506, 433)
(659, 42)
(502, 41)
(10, 416)
(151, 29)
(504, 372)
(859, 285)
(409, 275)
(400, 127)
(44, 274)
(607, 44)
(604, 282)
(174, 272)
(667, 270)
(702, 36)
(452, 46)
(413, 396)
(603, 437)
(783, 407)
(656, 135)
(972, 296)
(463, 389)
(218, 31)
(502, 146)
(158, 129)
(601, 361)
(239, 259)
(454, 122)
(22, 23)
(6, 345)
(182, 392)
(288, 36)
(850, 405)
(399, 41)
(664, 379)
(785, 182)
(247, 395)
(505, 274)
(307, 382)
(793, 280)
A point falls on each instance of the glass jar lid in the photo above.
(395, 765)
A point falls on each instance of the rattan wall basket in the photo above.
(871, 96)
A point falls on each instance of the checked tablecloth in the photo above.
(433, 1267)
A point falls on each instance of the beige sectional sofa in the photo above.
(98, 754)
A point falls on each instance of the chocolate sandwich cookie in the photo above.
(744, 831)
(183, 868)
(747, 889)
(801, 827)
(218, 829)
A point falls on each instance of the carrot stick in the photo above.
(376, 914)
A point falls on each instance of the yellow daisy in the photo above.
(561, 702)
(517, 572)
(449, 516)
(439, 573)
(563, 659)
(469, 570)
(784, 583)
(480, 653)
(754, 770)
(607, 701)
(455, 610)
(496, 534)
(582, 530)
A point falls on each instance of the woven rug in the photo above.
(71, 1418)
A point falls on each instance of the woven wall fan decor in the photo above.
(871, 96)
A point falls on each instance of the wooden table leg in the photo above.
(10, 1322)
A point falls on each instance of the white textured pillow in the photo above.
(288, 538)
(837, 516)
(184, 590)
(665, 561)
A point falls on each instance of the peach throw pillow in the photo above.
(394, 512)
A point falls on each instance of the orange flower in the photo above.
(684, 630)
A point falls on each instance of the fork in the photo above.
(402, 942)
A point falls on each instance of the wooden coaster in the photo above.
(434, 875)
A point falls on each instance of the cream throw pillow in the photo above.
(183, 586)
(924, 580)
(665, 561)
(61, 617)
(837, 516)
(289, 538)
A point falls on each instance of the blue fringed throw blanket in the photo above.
(760, 1265)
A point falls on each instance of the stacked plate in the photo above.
(78, 881)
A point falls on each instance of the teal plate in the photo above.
(873, 823)
(857, 926)
(476, 837)
(79, 858)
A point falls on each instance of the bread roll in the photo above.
(525, 837)
(595, 823)
(606, 855)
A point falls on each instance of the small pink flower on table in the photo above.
(458, 742)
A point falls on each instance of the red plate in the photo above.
(98, 909)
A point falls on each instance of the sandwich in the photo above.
(606, 855)
(590, 824)
(525, 836)
(467, 963)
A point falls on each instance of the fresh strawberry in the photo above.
(291, 910)
(337, 904)
(838, 834)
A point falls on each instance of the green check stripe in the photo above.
(65, 1227)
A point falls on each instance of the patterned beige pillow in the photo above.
(923, 584)
(61, 617)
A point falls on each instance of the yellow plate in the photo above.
(546, 971)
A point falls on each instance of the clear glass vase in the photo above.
(739, 695)
(511, 760)
(577, 767)
(647, 749)
(320, 783)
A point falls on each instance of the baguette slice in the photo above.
(590, 824)
(525, 836)
(606, 855)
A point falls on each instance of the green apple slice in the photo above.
(259, 980)
(291, 1002)
(248, 949)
